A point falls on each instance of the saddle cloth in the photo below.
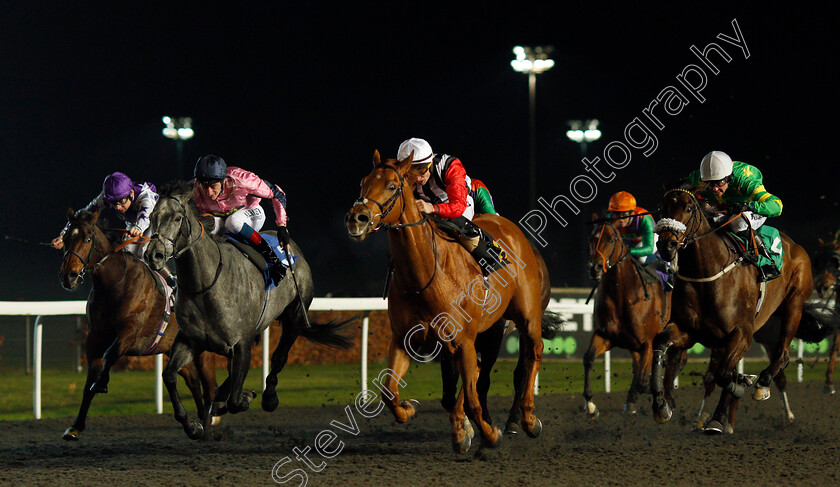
(772, 240)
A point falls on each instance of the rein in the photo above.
(605, 262)
(177, 254)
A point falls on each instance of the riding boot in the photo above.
(276, 271)
(485, 250)
(665, 268)
(767, 272)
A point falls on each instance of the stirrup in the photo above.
(768, 272)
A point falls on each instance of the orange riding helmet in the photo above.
(622, 201)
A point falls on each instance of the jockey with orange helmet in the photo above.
(635, 224)
(442, 189)
(232, 195)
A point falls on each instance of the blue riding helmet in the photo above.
(210, 169)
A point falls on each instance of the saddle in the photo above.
(257, 258)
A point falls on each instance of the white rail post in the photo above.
(800, 367)
(364, 351)
(266, 335)
(36, 367)
(607, 369)
(741, 367)
(159, 383)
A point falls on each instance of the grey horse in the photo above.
(222, 305)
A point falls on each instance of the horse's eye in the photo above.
(178, 218)
(689, 208)
(392, 187)
(87, 240)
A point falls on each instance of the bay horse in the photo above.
(125, 314)
(826, 275)
(488, 344)
(715, 302)
(439, 299)
(223, 305)
(628, 312)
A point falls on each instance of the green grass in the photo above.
(132, 392)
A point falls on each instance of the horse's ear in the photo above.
(405, 164)
(376, 158)
(94, 217)
(594, 217)
(820, 242)
(70, 214)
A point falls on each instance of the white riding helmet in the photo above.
(422, 151)
(715, 166)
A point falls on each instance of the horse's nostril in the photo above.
(157, 256)
(362, 218)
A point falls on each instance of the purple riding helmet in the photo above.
(116, 187)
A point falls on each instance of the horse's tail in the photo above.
(552, 324)
(817, 322)
(331, 333)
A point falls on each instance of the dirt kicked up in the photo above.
(572, 450)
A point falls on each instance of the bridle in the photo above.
(606, 262)
(386, 208)
(95, 245)
(169, 241)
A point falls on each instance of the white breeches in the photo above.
(254, 217)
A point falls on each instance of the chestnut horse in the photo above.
(628, 311)
(439, 299)
(826, 275)
(125, 313)
(716, 302)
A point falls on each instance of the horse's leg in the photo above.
(531, 346)
(597, 346)
(488, 344)
(675, 360)
(180, 355)
(708, 389)
(737, 343)
(790, 313)
(190, 375)
(240, 362)
(206, 365)
(781, 384)
(93, 351)
(279, 357)
(832, 357)
(467, 364)
(514, 415)
(641, 377)
(670, 336)
(398, 362)
(449, 378)
(112, 354)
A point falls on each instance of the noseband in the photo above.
(390, 203)
(84, 260)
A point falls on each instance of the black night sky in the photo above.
(302, 94)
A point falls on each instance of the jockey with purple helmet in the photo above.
(133, 203)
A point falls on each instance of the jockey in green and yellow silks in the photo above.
(738, 186)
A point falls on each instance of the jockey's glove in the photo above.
(283, 235)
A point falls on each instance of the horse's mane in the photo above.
(180, 189)
(83, 216)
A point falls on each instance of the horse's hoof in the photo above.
(498, 441)
(468, 427)
(218, 409)
(535, 431)
(249, 395)
(270, 402)
(511, 428)
(462, 446)
(761, 393)
(701, 421)
(713, 427)
(630, 408)
(71, 434)
(215, 421)
(662, 414)
(829, 389)
(591, 409)
(197, 433)
(99, 388)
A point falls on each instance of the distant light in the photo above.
(178, 129)
(583, 131)
(575, 135)
(532, 60)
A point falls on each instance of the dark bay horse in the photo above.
(439, 300)
(826, 275)
(223, 305)
(628, 312)
(124, 312)
(488, 344)
(715, 302)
